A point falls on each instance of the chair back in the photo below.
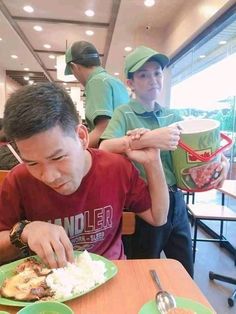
(128, 223)
(3, 174)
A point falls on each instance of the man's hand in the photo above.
(135, 134)
(144, 156)
(50, 242)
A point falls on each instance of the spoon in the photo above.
(164, 300)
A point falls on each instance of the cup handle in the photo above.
(208, 158)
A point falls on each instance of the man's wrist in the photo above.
(128, 143)
(15, 235)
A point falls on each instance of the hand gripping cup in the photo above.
(197, 160)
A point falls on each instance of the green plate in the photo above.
(7, 271)
(150, 307)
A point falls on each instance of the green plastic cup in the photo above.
(46, 307)
(201, 137)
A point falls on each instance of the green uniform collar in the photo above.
(95, 72)
(138, 108)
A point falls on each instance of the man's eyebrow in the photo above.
(56, 152)
(26, 160)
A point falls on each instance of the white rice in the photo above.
(76, 278)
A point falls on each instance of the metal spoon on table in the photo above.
(164, 300)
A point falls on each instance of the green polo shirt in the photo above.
(103, 94)
(133, 115)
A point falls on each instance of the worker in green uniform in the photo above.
(103, 91)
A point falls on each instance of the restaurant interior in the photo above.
(199, 37)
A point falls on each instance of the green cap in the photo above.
(136, 59)
(80, 51)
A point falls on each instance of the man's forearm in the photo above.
(116, 145)
(120, 145)
(158, 191)
(7, 251)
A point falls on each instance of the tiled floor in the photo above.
(210, 257)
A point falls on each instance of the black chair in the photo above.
(231, 280)
(188, 194)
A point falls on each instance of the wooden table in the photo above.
(133, 286)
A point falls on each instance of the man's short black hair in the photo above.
(37, 108)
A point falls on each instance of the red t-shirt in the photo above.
(92, 215)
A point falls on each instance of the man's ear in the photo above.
(83, 135)
(130, 84)
(74, 68)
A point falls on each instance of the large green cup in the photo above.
(197, 160)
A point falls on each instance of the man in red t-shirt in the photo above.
(65, 196)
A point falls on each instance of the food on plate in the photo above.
(76, 278)
(178, 310)
(203, 175)
(28, 283)
(33, 281)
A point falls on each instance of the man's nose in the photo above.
(49, 174)
(153, 78)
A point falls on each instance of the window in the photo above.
(203, 78)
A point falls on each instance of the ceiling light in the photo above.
(38, 28)
(28, 9)
(222, 42)
(89, 12)
(47, 46)
(64, 83)
(116, 73)
(26, 78)
(149, 3)
(26, 69)
(128, 48)
(202, 56)
(14, 56)
(51, 57)
(89, 33)
(0, 38)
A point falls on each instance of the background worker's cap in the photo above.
(136, 59)
(80, 51)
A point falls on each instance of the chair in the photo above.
(201, 212)
(128, 223)
(219, 277)
(187, 194)
(3, 174)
